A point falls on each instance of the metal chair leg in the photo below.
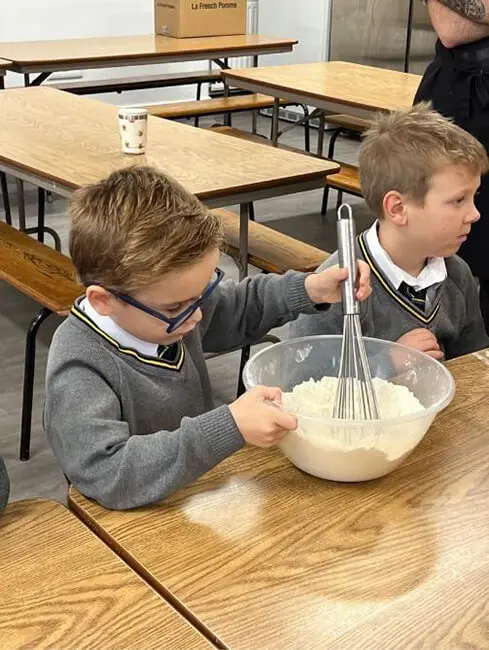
(245, 355)
(21, 203)
(324, 206)
(41, 229)
(41, 213)
(29, 368)
(320, 147)
(332, 142)
(199, 92)
(307, 129)
(339, 199)
(6, 198)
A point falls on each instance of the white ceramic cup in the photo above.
(133, 127)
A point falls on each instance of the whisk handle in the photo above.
(345, 227)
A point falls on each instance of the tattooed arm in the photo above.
(453, 28)
(476, 11)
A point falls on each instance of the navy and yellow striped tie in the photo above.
(418, 298)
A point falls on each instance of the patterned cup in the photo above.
(133, 127)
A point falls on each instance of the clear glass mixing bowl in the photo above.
(352, 450)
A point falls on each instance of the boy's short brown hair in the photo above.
(136, 225)
(404, 149)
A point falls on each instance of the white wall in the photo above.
(306, 20)
(53, 19)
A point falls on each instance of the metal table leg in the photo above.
(244, 215)
(254, 116)
(321, 135)
(275, 116)
(21, 203)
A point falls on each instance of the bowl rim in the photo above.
(432, 410)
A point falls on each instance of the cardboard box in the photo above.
(193, 18)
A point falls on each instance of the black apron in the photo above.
(457, 83)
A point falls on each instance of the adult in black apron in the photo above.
(457, 83)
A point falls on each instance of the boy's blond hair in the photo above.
(404, 149)
(133, 227)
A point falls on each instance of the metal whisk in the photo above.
(355, 396)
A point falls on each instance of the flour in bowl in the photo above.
(356, 451)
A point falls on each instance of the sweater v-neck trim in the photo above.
(175, 365)
(397, 296)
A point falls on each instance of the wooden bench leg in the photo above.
(5, 198)
(29, 368)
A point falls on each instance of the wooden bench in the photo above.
(235, 104)
(123, 84)
(347, 179)
(349, 122)
(46, 276)
(269, 250)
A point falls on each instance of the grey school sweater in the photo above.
(129, 430)
(454, 317)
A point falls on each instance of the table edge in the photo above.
(285, 45)
(133, 564)
(265, 87)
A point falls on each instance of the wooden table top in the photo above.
(132, 50)
(269, 557)
(337, 82)
(63, 588)
(71, 141)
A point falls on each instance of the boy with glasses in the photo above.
(129, 408)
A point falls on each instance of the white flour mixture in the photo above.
(350, 452)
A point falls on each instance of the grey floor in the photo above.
(297, 215)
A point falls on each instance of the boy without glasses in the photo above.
(129, 408)
(419, 176)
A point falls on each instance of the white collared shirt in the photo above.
(123, 338)
(434, 272)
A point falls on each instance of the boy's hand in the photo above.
(423, 340)
(325, 287)
(260, 423)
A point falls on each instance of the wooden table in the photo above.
(59, 142)
(63, 588)
(45, 57)
(334, 86)
(269, 557)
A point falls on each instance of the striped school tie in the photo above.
(417, 298)
(168, 353)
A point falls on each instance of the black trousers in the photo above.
(457, 84)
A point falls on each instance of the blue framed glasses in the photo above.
(177, 321)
